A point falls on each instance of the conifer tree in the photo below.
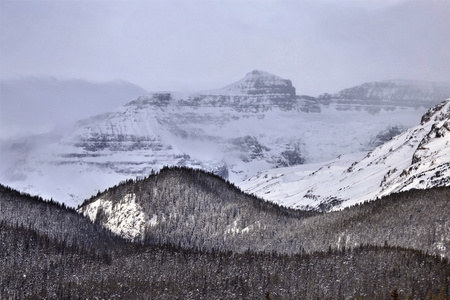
(394, 294)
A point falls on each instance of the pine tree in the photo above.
(442, 295)
(394, 294)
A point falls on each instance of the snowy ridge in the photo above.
(400, 91)
(417, 158)
(373, 96)
(431, 161)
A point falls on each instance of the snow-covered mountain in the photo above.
(255, 124)
(419, 158)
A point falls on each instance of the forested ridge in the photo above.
(198, 209)
(53, 219)
(392, 248)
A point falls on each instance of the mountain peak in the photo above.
(259, 73)
(439, 112)
(259, 82)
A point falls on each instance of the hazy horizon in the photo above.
(322, 46)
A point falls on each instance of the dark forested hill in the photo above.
(48, 251)
(32, 266)
(193, 208)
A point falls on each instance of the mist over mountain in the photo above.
(39, 105)
(254, 124)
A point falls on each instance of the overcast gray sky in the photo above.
(322, 46)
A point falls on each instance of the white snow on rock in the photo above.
(125, 218)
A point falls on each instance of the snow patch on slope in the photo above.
(236, 229)
(125, 218)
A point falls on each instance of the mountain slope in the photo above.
(417, 158)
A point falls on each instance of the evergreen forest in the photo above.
(211, 241)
